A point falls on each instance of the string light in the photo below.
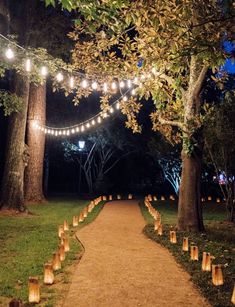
(28, 65)
(94, 85)
(84, 83)
(129, 83)
(71, 82)
(59, 77)
(9, 54)
(125, 98)
(133, 92)
(113, 86)
(122, 84)
(44, 71)
(118, 106)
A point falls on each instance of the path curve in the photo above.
(121, 267)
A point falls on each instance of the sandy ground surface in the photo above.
(121, 267)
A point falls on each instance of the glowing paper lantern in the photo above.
(62, 252)
(233, 296)
(34, 290)
(66, 225)
(217, 275)
(130, 196)
(194, 253)
(66, 244)
(150, 197)
(157, 223)
(81, 218)
(209, 198)
(104, 198)
(85, 212)
(159, 230)
(163, 198)
(75, 221)
(218, 200)
(185, 246)
(48, 274)
(206, 262)
(173, 238)
(56, 263)
(172, 197)
(110, 197)
(60, 230)
(118, 196)
(155, 198)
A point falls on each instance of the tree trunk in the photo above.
(12, 192)
(36, 143)
(189, 206)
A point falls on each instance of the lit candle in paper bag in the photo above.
(34, 290)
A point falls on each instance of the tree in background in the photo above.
(220, 148)
(168, 158)
(174, 43)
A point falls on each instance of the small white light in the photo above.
(9, 54)
(56, 133)
(52, 132)
(44, 71)
(60, 132)
(99, 120)
(94, 85)
(114, 86)
(64, 132)
(105, 115)
(122, 84)
(88, 125)
(93, 122)
(45, 130)
(49, 131)
(118, 106)
(71, 82)
(105, 87)
(28, 65)
(68, 132)
(72, 131)
(125, 98)
(59, 77)
(77, 129)
(82, 128)
(111, 110)
(133, 92)
(129, 83)
(84, 83)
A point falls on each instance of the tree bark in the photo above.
(36, 144)
(12, 194)
(189, 206)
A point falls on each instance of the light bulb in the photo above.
(73, 131)
(9, 54)
(88, 125)
(94, 85)
(129, 83)
(71, 82)
(77, 129)
(68, 132)
(118, 106)
(64, 132)
(105, 115)
(133, 92)
(60, 132)
(125, 98)
(52, 132)
(122, 84)
(45, 130)
(111, 110)
(59, 77)
(84, 83)
(93, 122)
(82, 128)
(28, 65)
(113, 86)
(44, 71)
(105, 87)
(99, 120)
(56, 133)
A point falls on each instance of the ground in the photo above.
(122, 267)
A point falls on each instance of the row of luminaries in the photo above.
(172, 197)
(60, 254)
(217, 274)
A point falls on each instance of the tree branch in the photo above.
(171, 122)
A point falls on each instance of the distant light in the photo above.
(59, 77)
(88, 125)
(113, 85)
(99, 120)
(81, 144)
(44, 71)
(111, 110)
(9, 54)
(82, 128)
(122, 84)
(118, 106)
(133, 92)
(125, 98)
(93, 122)
(129, 83)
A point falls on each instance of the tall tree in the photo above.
(174, 43)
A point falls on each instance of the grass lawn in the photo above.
(218, 239)
(28, 241)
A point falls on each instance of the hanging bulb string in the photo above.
(81, 127)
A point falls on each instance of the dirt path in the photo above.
(121, 267)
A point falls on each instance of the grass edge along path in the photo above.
(28, 241)
(222, 250)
